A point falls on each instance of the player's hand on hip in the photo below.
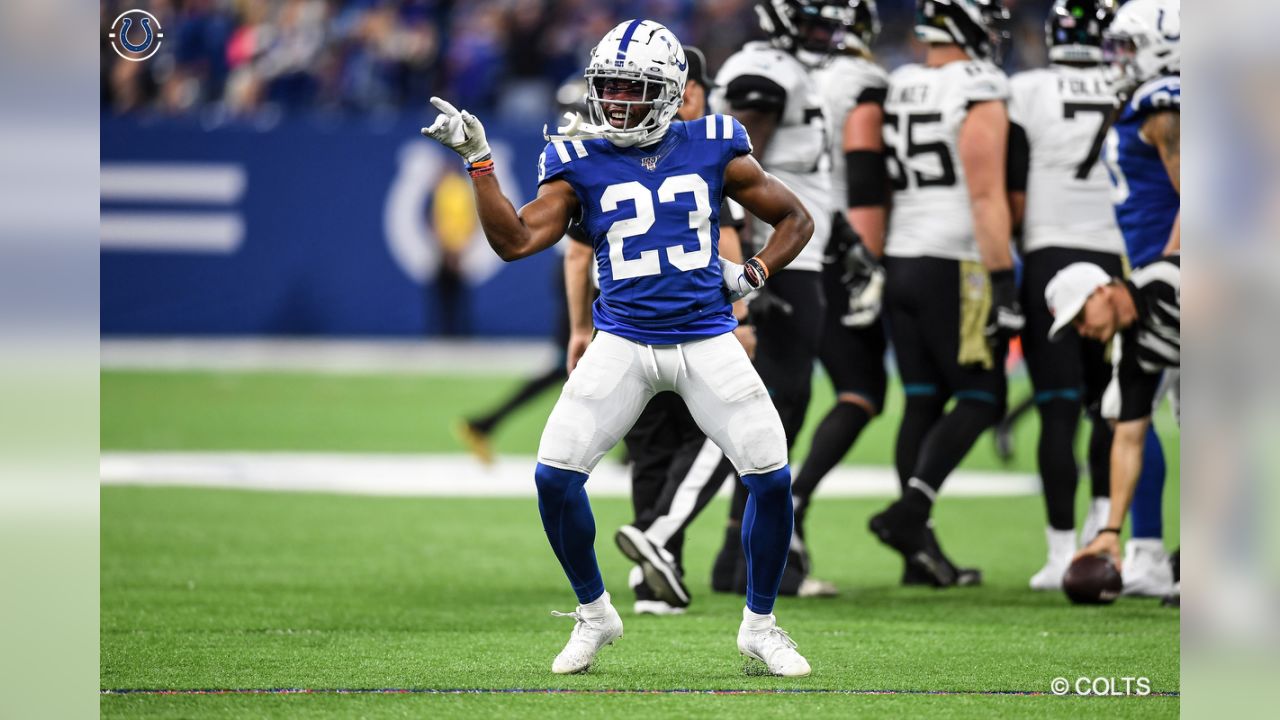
(738, 283)
(1006, 319)
(578, 343)
(458, 130)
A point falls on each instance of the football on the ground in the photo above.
(1092, 580)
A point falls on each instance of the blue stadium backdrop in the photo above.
(309, 228)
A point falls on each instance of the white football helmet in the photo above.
(1142, 42)
(644, 52)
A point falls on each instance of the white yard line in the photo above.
(455, 357)
(457, 475)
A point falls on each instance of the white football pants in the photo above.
(616, 377)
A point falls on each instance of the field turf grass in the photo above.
(221, 589)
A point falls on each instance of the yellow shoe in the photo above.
(477, 442)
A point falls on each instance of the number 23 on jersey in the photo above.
(648, 263)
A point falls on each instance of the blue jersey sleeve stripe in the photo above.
(561, 150)
(710, 123)
(728, 128)
(579, 148)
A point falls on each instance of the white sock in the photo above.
(1151, 545)
(1095, 520)
(1062, 544)
(596, 607)
(756, 621)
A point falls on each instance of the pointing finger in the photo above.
(444, 106)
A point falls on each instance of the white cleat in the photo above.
(812, 587)
(1147, 571)
(657, 607)
(772, 646)
(591, 632)
(1062, 546)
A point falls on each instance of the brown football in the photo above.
(1092, 580)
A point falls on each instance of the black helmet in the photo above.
(1074, 29)
(978, 26)
(815, 29)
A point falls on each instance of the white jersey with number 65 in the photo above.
(923, 114)
(1064, 111)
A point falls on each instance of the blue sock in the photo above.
(766, 535)
(1147, 511)
(571, 528)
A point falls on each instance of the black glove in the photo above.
(1005, 320)
(863, 278)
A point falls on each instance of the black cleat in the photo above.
(660, 571)
(1003, 435)
(965, 577)
(907, 532)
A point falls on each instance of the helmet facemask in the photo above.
(1120, 51)
(628, 106)
(1075, 28)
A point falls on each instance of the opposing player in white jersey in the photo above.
(646, 191)
(853, 342)
(950, 294)
(1061, 196)
(769, 87)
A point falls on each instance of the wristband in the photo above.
(481, 167)
(756, 272)
(745, 320)
(1115, 530)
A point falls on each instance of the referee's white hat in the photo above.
(1068, 291)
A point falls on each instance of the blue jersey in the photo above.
(1145, 200)
(652, 215)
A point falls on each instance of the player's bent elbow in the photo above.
(510, 251)
(804, 223)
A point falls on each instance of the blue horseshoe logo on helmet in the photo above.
(682, 66)
(124, 35)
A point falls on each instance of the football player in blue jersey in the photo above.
(647, 192)
(1142, 154)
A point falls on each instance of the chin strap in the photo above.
(575, 128)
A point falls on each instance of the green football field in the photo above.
(224, 590)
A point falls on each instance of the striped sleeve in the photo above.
(557, 156)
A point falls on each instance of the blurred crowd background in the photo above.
(264, 58)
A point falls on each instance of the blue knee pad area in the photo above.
(570, 527)
(766, 535)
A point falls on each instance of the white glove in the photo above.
(736, 283)
(864, 307)
(461, 132)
